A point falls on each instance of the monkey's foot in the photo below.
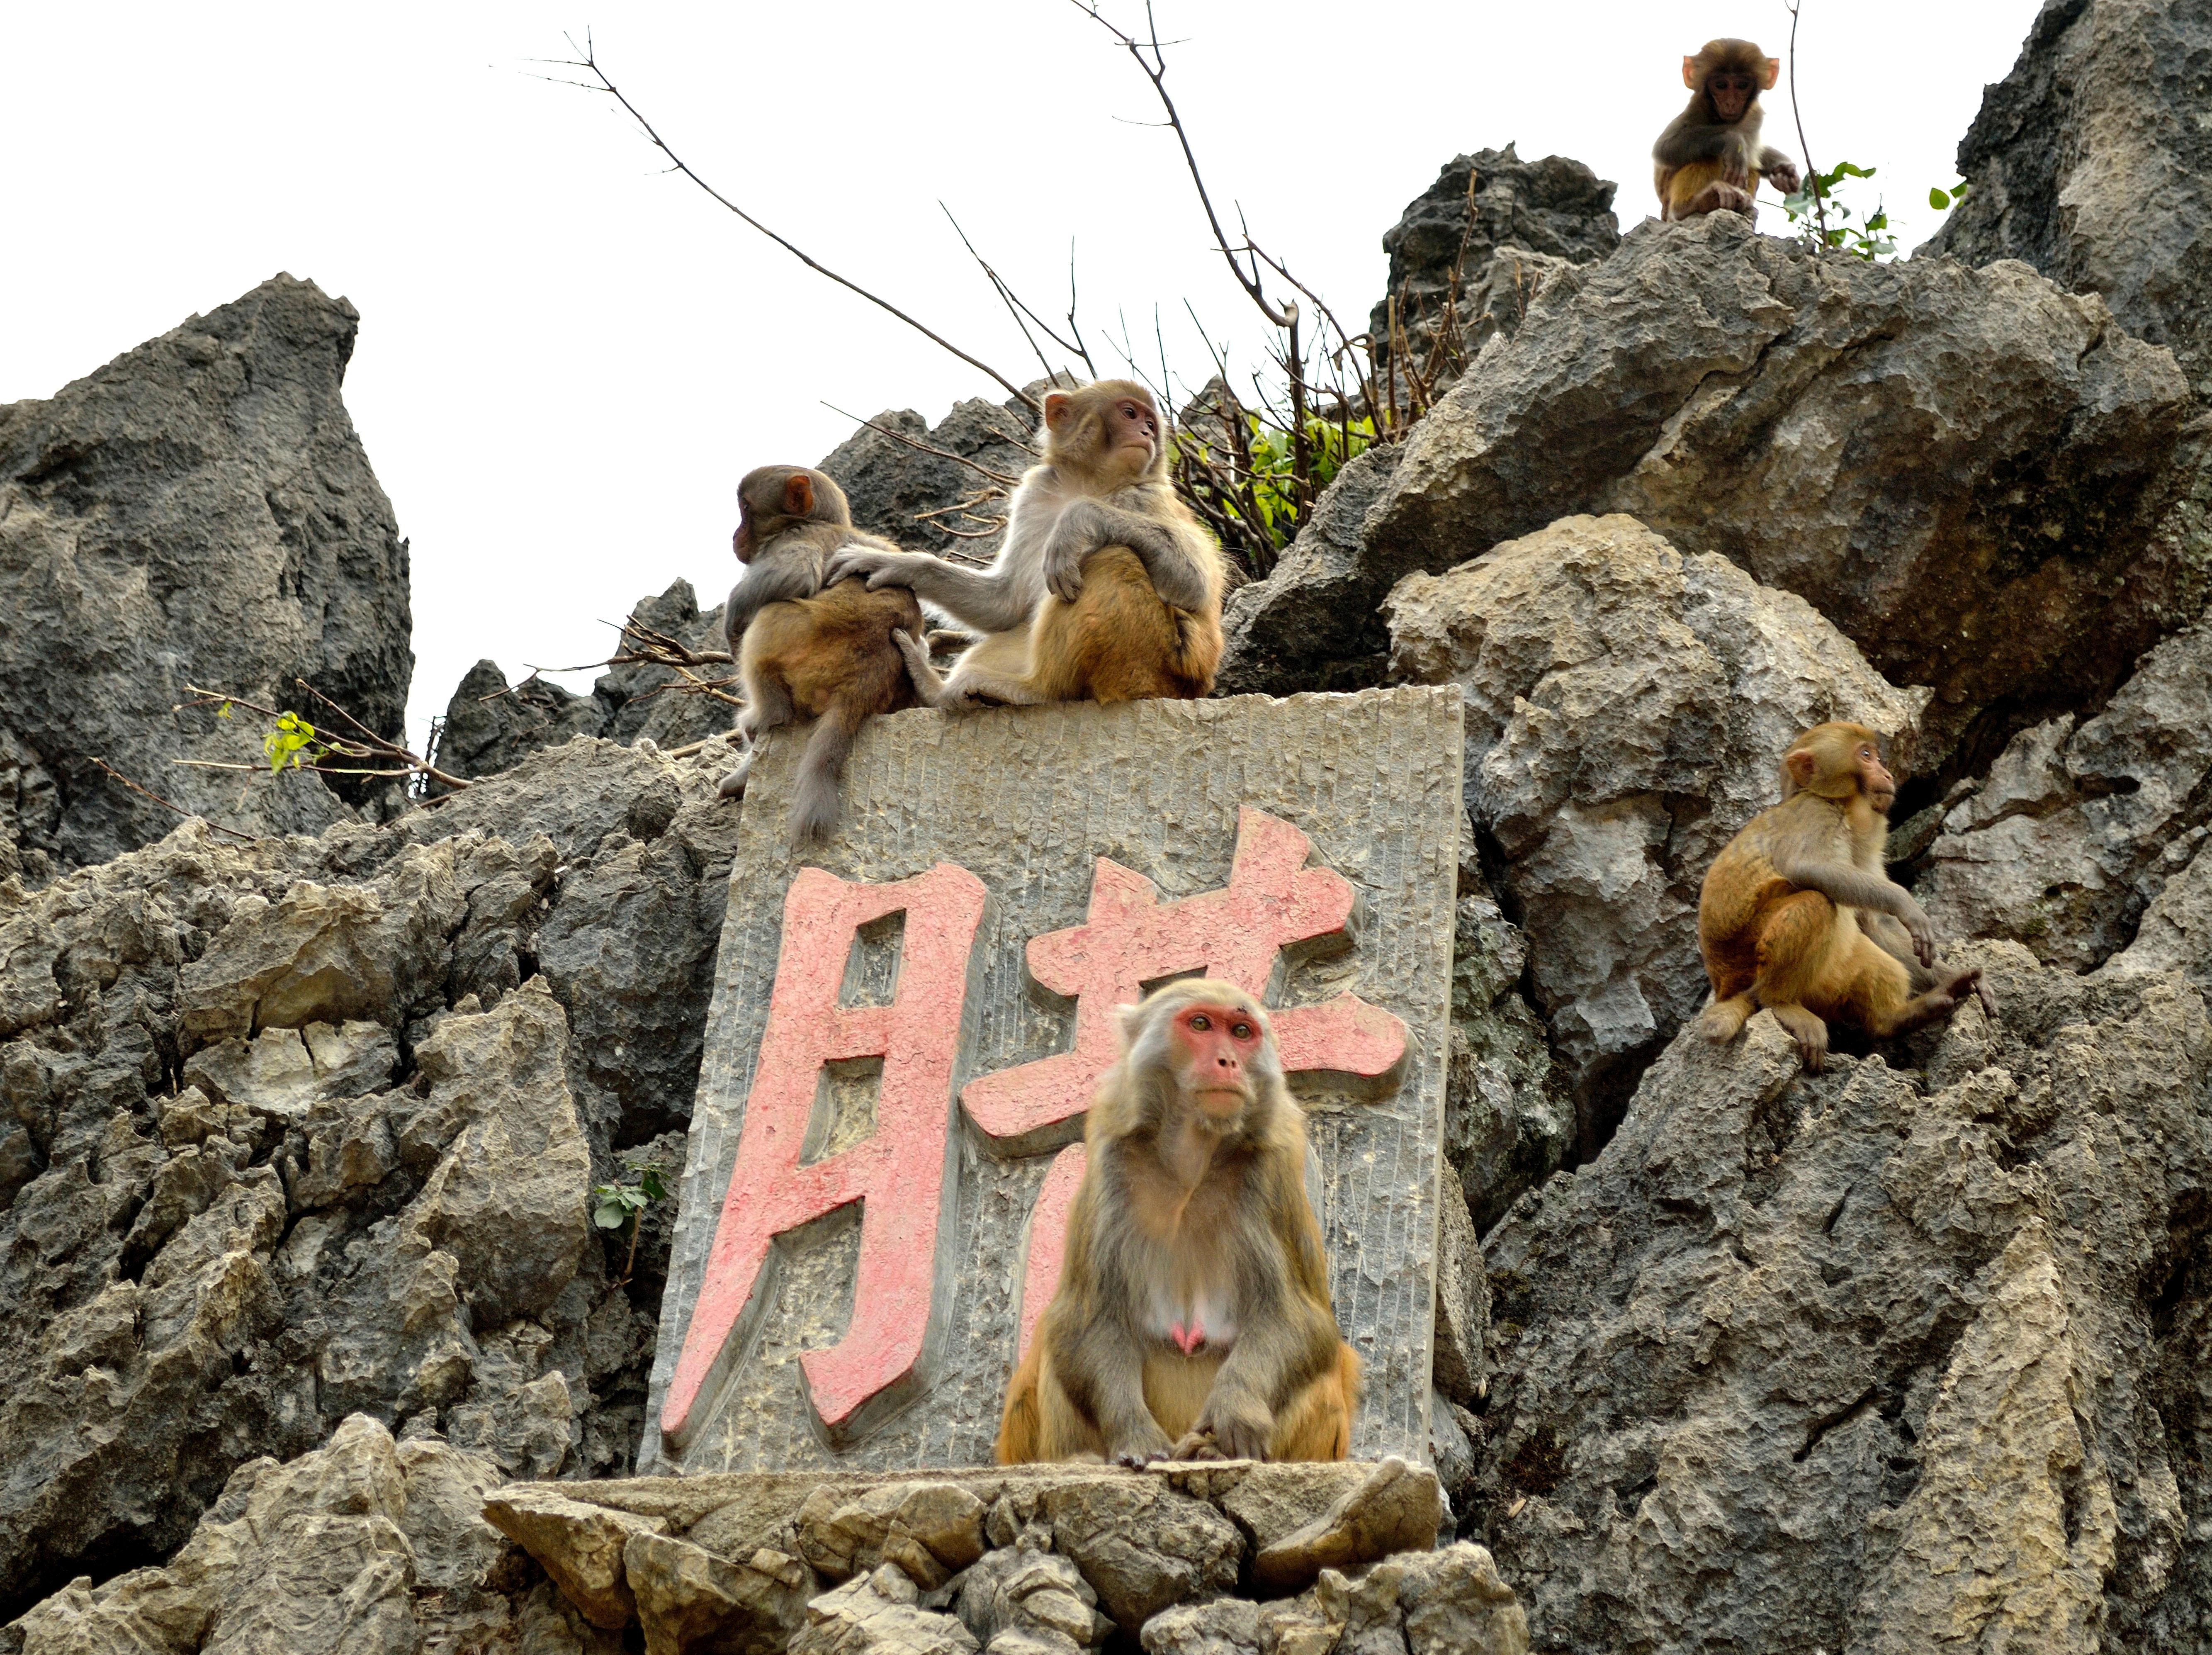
(1723, 1020)
(732, 786)
(1197, 1445)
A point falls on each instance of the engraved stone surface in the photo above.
(891, 1074)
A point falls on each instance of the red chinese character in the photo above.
(1130, 938)
(898, 1173)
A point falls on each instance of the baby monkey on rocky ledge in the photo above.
(1799, 915)
(1710, 157)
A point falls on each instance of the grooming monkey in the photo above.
(805, 652)
(1798, 915)
(1105, 589)
(1193, 1318)
(1710, 155)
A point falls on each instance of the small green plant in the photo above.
(1250, 493)
(1944, 200)
(614, 1205)
(294, 741)
(1867, 238)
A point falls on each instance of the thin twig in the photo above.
(171, 803)
(1797, 113)
(981, 470)
(589, 62)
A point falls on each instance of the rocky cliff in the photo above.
(298, 1131)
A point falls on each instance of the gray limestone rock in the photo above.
(268, 1158)
(1396, 1507)
(363, 1546)
(1628, 709)
(1445, 1602)
(1142, 1547)
(1880, 1359)
(1227, 1625)
(197, 511)
(877, 1614)
(2078, 828)
(930, 501)
(2092, 162)
(1509, 1120)
(1480, 238)
(1957, 467)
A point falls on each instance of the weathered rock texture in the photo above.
(2092, 162)
(1628, 709)
(932, 500)
(1445, 248)
(1033, 803)
(1965, 471)
(2077, 829)
(199, 510)
(1875, 1359)
(1021, 1559)
(489, 726)
(365, 1545)
(300, 1129)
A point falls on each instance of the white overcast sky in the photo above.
(567, 358)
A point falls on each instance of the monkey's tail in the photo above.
(814, 794)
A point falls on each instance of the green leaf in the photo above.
(1938, 200)
(609, 1215)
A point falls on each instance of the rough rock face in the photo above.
(365, 1545)
(1874, 1360)
(1031, 1559)
(1963, 470)
(1628, 709)
(2092, 162)
(2077, 829)
(198, 510)
(1481, 205)
(916, 497)
(1509, 1120)
(303, 1128)
(489, 727)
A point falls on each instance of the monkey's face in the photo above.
(1875, 777)
(1730, 91)
(1133, 434)
(742, 541)
(1214, 1048)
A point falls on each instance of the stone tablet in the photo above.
(908, 1024)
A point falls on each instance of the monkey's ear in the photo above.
(1773, 74)
(1690, 73)
(1129, 1019)
(1056, 404)
(799, 495)
(1800, 765)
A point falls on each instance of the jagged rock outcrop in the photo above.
(305, 1127)
(1509, 1118)
(197, 511)
(1445, 248)
(1874, 1360)
(2077, 829)
(1966, 471)
(930, 501)
(2092, 162)
(365, 1545)
(1628, 709)
(489, 726)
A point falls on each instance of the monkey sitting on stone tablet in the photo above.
(1192, 1317)
(803, 651)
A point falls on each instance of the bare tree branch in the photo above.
(589, 62)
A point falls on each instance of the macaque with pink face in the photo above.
(1193, 1318)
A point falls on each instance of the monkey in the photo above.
(1798, 915)
(1710, 155)
(803, 651)
(1193, 1318)
(1106, 587)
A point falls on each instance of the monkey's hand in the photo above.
(1140, 1445)
(1198, 1446)
(1073, 540)
(1780, 171)
(1916, 923)
(877, 567)
(1240, 1428)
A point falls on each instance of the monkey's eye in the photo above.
(1200, 1022)
(1242, 1031)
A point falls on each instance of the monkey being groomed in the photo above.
(1710, 159)
(1798, 916)
(1106, 588)
(1192, 1317)
(804, 650)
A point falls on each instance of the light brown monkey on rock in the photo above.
(1798, 916)
(803, 651)
(1193, 1318)
(1105, 589)
(1709, 156)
